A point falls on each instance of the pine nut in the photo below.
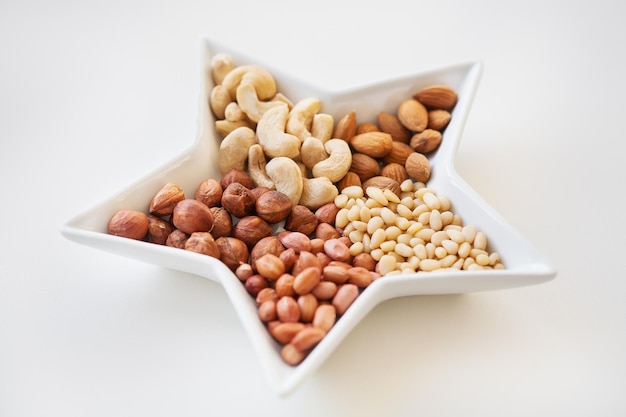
(404, 250)
(450, 246)
(429, 265)
(357, 247)
(341, 200)
(392, 232)
(389, 217)
(386, 264)
(341, 219)
(435, 220)
(377, 195)
(353, 191)
(480, 241)
(374, 224)
(431, 200)
(406, 185)
(391, 196)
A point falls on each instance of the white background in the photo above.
(93, 95)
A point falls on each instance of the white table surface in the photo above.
(93, 95)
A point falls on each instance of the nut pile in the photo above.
(308, 212)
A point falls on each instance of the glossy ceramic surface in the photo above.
(524, 265)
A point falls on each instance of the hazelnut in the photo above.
(270, 244)
(233, 252)
(131, 224)
(177, 239)
(257, 191)
(164, 201)
(158, 230)
(222, 222)
(251, 229)
(236, 175)
(238, 200)
(244, 271)
(301, 219)
(209, 192)
(203, 242)
(191, 215)
(273, 206)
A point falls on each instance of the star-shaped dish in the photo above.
(524, 265)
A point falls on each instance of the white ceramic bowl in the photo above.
(524, 265)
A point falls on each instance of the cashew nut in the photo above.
(322, 127)
(272, 137)
(234, 113)
(218, 100)
(233, 151)
(250, 104)
(301, 117)
(221, 64)
(317, 191)
(263, 82)
(225, 127)
(256, 167)
(281, 97)
(287, 177)
(312, 151)
(337, 164)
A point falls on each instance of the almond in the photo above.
(438, 119)
(364, 167)
(346, 127)
(384, 183)
(391, 124)
(367, 127)
(374, 144)
(426, 141)
(399, 152)
(437, 97)
(351, 178)
(418, 167)
(413, 115)
(395, 171)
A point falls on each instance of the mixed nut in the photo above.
(307, 212)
